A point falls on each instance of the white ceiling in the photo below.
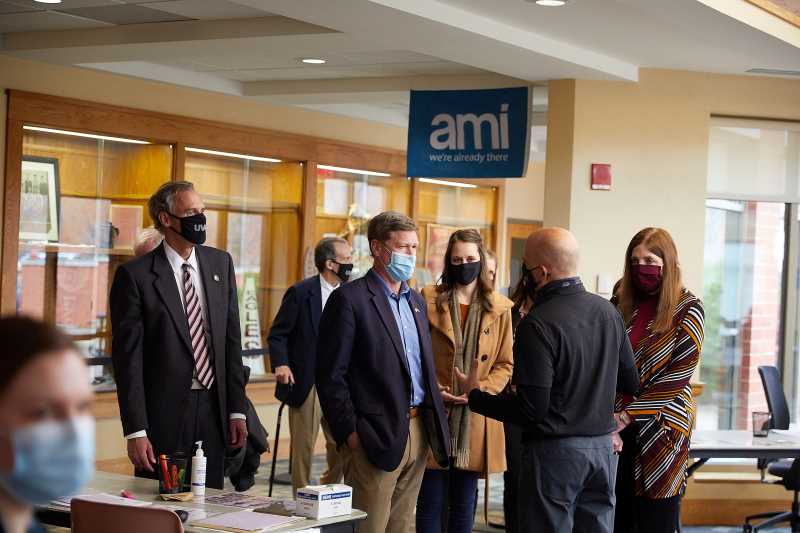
(379, 49)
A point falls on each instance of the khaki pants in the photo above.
(304, 423)
(389, 498)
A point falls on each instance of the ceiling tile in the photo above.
(65, 4)
(45, 21)
(207, 9)
(124, 14)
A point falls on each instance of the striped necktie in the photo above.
(197, 331)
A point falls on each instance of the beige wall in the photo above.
(654, 133)
(525, 196)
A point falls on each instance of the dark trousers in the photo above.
(567, 485)
(200, 422)
(637, 514)
(450, 491)
(513, 435)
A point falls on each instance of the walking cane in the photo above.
(275, 453)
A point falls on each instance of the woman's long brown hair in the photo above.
(659, 242)
(446, 285)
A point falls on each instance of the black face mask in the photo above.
(193, 227)
(465, 273)
(529, 282)
(344, 271)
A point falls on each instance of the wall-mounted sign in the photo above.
(601, 177)
(250, 323)
(469, 134)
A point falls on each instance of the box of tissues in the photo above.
(324, 501)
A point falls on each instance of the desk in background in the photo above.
(147, 490)
(735, 444)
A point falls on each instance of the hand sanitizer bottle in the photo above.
(199, 471)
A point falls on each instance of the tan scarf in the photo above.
(466, 346)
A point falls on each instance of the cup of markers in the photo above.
(172, 473)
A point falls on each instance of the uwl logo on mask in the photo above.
(480, 133)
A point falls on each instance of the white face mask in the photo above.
(52, 459)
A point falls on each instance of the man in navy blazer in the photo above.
(292, 344)
(377, 383)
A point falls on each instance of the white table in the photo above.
(147, 490)
(741, 444)
(737, 444)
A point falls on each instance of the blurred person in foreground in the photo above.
(47, 430)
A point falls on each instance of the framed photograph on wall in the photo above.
(436, 246)
(39, 199)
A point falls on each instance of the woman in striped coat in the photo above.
(665, 327)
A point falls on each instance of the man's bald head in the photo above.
(554, 249)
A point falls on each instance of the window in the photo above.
(347, 201)
(253, 211)
(742, 296)
(754, 174)
(82, 203)
(443, 208)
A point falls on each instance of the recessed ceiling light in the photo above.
(48, 1)
(551, 3)
(313, 61)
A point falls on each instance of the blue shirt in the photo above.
(403, 310)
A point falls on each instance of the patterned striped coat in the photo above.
(664, 411)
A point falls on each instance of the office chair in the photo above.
(778, 408)
(788, 470)
(96, 517)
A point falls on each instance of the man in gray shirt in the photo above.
(571, 356)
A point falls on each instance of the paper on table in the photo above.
(247, 521)
(238, 499)
(194, 513)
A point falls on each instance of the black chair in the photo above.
(776, 401)
(788, 470)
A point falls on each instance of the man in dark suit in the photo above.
(377, 383)
(176, 343)
(293, 354)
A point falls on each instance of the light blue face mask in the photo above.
(52, 459)
(401, 266)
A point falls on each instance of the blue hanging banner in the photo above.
(481, 133)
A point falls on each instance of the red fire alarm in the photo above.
(601, 177)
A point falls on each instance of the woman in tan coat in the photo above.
(468, 321)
